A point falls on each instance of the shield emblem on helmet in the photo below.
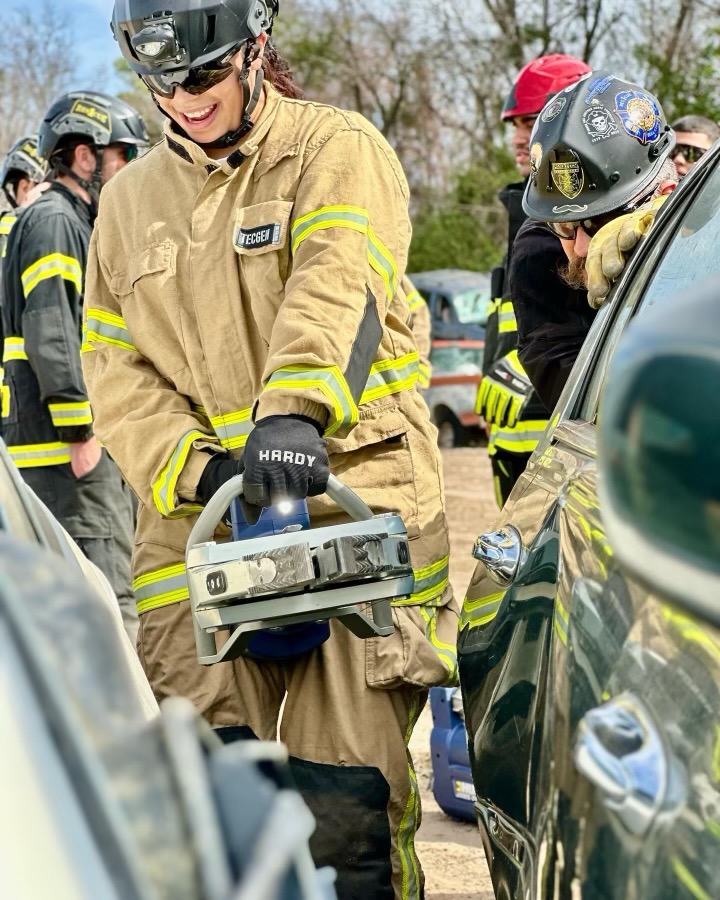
(568, 178)
(639, 115)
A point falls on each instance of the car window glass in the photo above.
(471, 307)
(668, 272)
(463, 359)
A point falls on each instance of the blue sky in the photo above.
(90, 21)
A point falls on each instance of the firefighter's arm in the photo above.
(52, 276)
(160, 444)
(350, 233)
(499, 358)
(421, 327)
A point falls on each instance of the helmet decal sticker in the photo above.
(92, 113)
(639, 114)
(553, 109)
(568, 178)
(599, 123)
(536, 152)
(569, 208)
(598, 86)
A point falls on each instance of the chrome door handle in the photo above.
(619, 750)
(501, 552)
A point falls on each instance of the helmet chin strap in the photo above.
(11, 200)
(94, 185)
(250, 102)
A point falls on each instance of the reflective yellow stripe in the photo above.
(161, 587)
(482, 610)
(164, 487)
(561, 619)
(63, 414)
(55, 264)
(425, 375)
(506, 318)
(409, 864)
(523, 437)
(105, 327)
(446, 652)
(356, 219)
(329, 381)
(6, 224)
(5, 401)
(30, 456)
(14, 348)
(232, 428)
(414, 300)
(391, 376)
(688, 880)
(430, 582)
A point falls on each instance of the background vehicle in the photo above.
(590, 648)
(458, 301)
(104, 797)
(456, 374)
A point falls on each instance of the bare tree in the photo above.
(37, 65)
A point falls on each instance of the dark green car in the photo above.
(590, 647)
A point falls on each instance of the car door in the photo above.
(545, 653)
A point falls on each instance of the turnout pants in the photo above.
(506, 469)
(96, 511)
(350, 708)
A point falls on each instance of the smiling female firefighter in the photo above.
(243, 299)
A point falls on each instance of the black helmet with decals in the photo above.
(191, 44)
(22, 161)
(596, 148)
(98, 118)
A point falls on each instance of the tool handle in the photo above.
(212, 515)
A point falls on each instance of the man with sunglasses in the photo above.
(86, 138)
(604, 153)
(246, 314)
(694, 135)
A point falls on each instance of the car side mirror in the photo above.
(659, 450)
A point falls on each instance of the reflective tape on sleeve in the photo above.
(55, 265)
(523, 437)
(164, 493)
(329, 381)
(391, 376)
(446, 652)
(13, 348)
(430, 583)
(68, 414)
(103, 327)
(233, 428)
(356, 219)
(161, 587)
(30, 456)
(506, 318)
(414, 300)
(425, 375)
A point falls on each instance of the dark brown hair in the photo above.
(279, 74)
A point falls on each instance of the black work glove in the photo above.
(218, 470)
(285, 459)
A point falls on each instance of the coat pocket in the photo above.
(262, 228)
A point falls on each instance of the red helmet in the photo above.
(539, 80)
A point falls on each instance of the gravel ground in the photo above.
(451, 852)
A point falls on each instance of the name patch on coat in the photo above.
(260, 236)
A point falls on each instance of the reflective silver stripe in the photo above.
(164, 487)
(64, 414)
(161, 587)
(391, 376)
(414, 300)
(28, 456)
(55, 264)
(329, 381)
(105, 327)
(14, 348)
(233, 428)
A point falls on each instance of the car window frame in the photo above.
(596, 350)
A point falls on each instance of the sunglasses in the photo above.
(691, 154)
(568, 230)
(129, 152)
(194, 81)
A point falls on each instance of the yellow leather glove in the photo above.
(504, 392)
(608, 249)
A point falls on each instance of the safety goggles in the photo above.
(690, 154)
(129, 152)
(568, 230)
(194, 81)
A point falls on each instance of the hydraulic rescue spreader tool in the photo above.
(272, 590)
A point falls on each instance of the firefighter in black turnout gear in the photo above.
(506, 400)
(86, 138)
